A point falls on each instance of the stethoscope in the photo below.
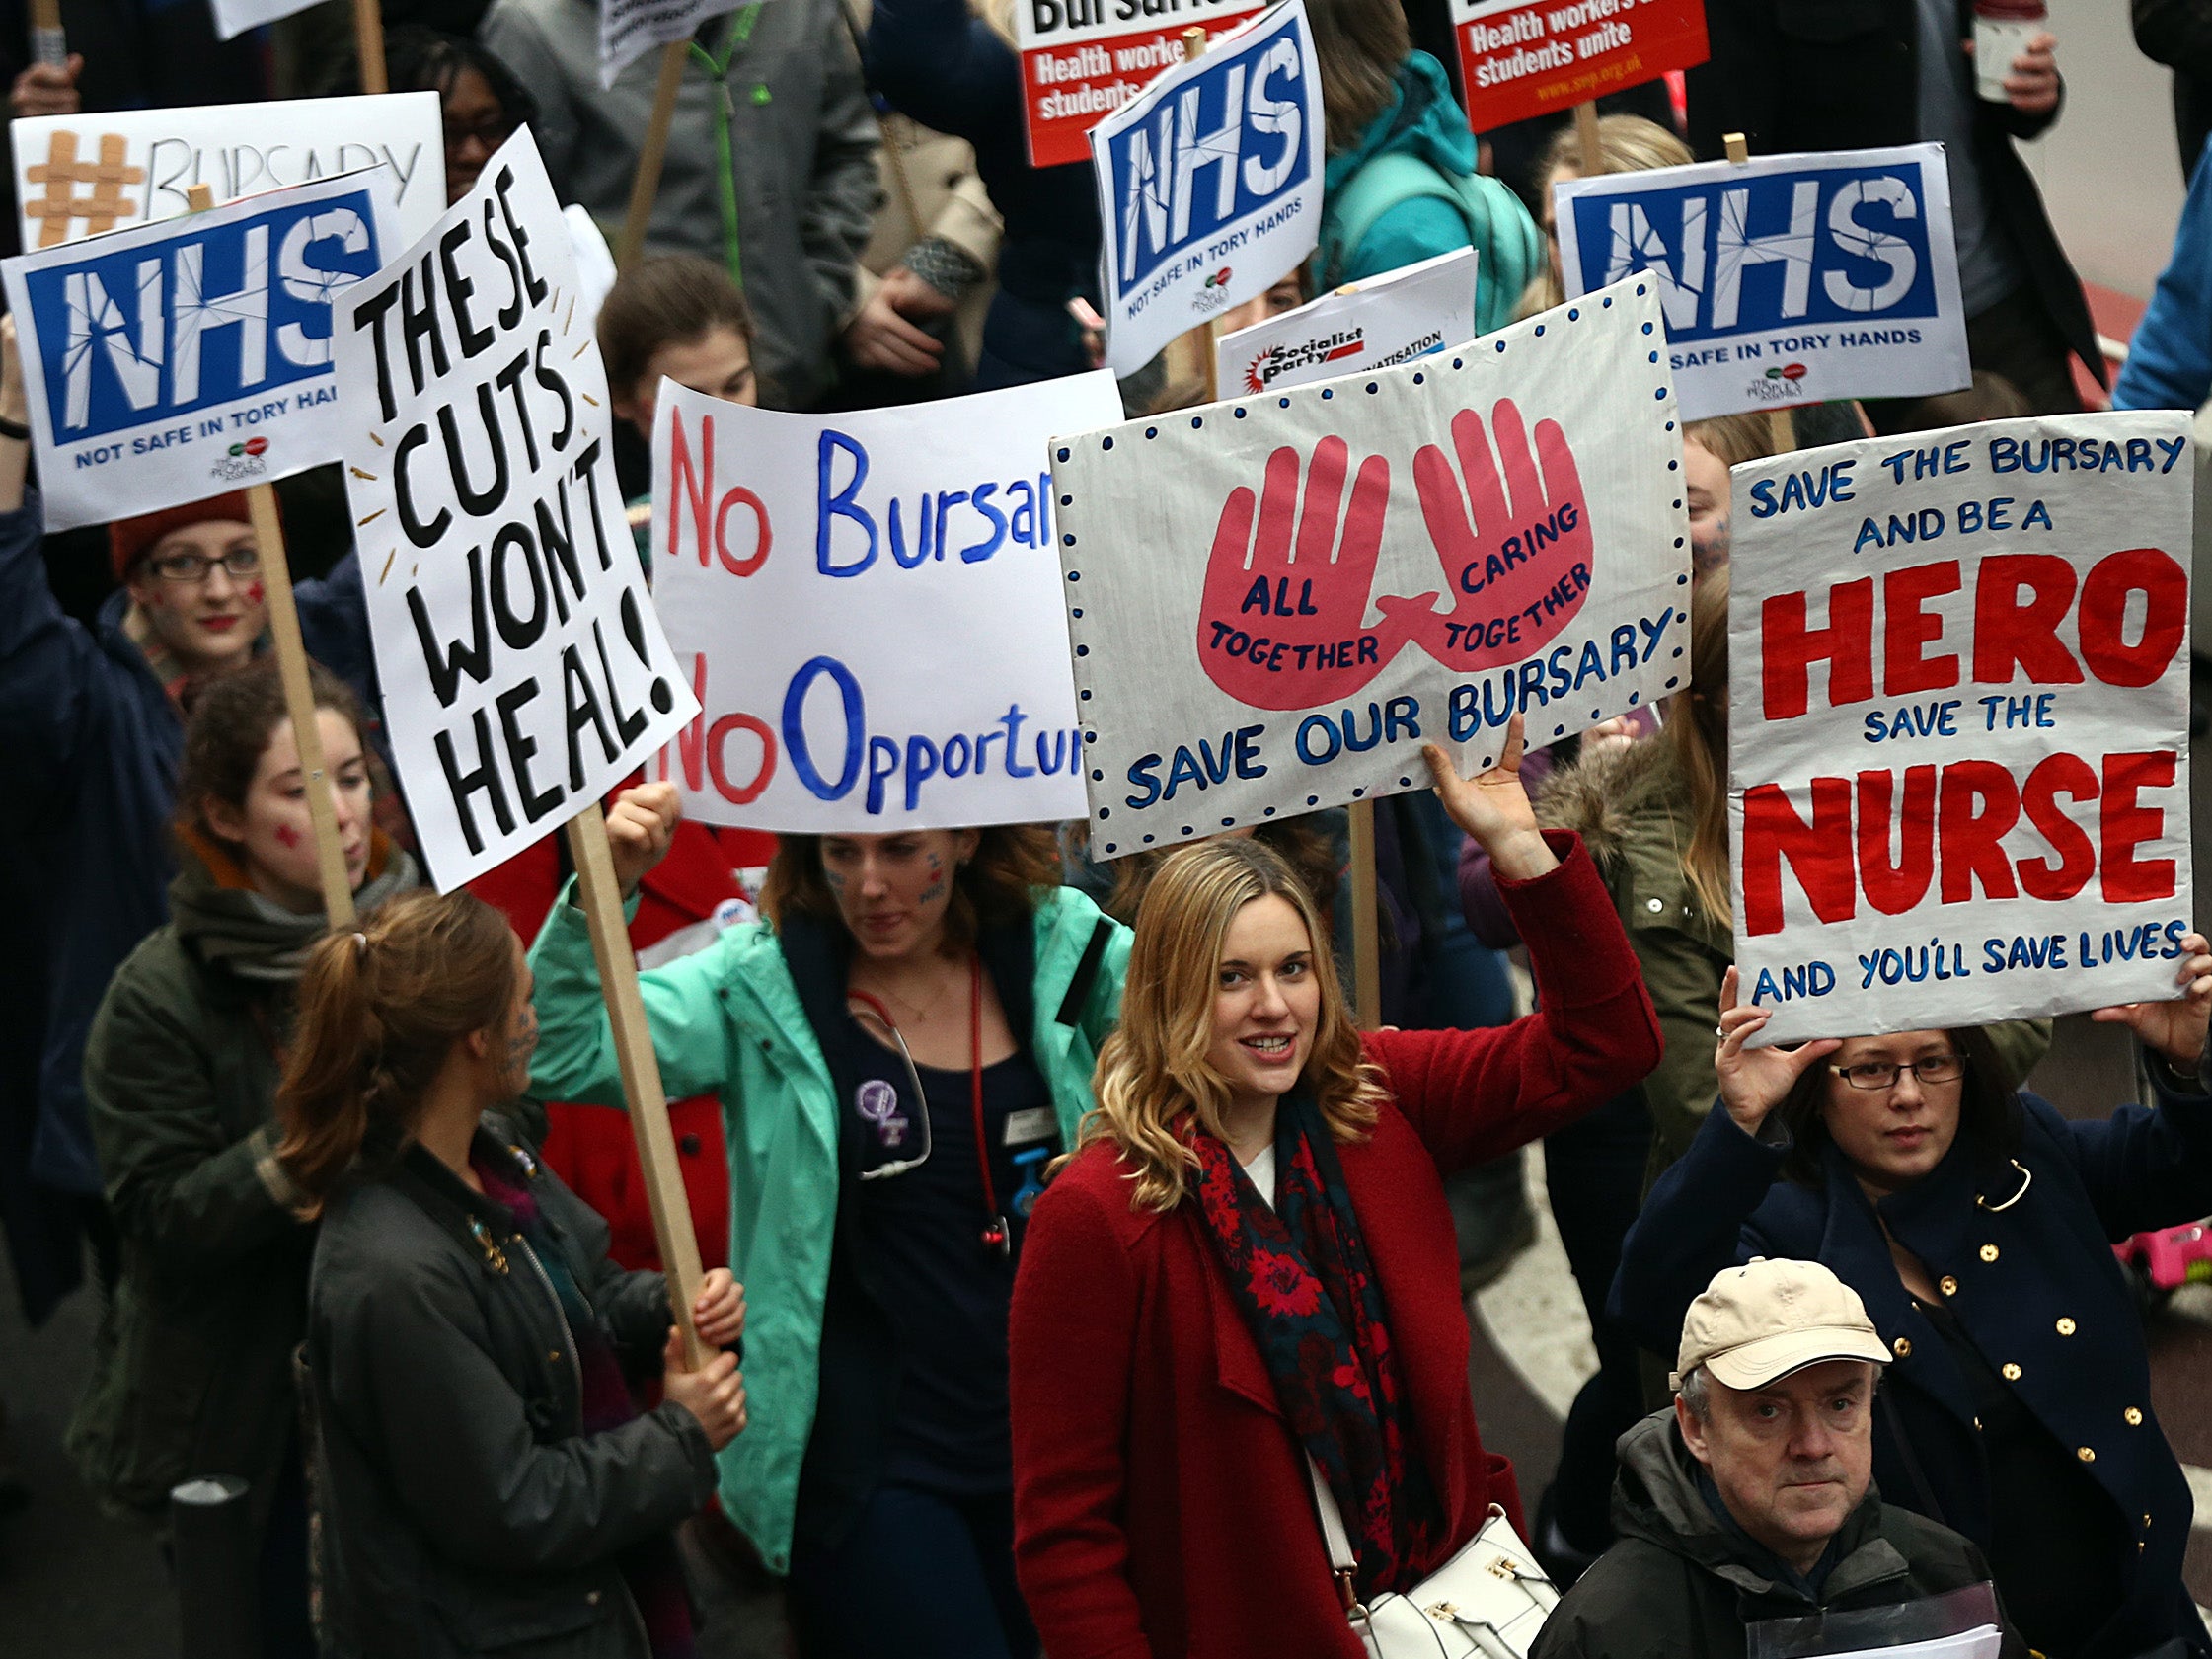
(997, 1234)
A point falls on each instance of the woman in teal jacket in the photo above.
(914, 1000)
(1400, 184)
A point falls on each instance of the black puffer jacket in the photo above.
(1679, 1585)
(464, 1509)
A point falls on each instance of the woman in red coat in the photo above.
(1247, 1270)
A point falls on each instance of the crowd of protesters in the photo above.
(1101, 1278)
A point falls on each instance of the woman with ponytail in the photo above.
(191, 1372)
(485, 1482)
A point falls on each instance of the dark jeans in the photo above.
(1595, 1171)
(919, 1578)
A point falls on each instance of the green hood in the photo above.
(1421, 120)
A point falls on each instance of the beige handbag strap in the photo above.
(1345, 1564)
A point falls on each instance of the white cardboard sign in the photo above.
(1788, 280)
(523, 667)
(870, 607)
(1209, 183)
(1391, 319)
(628, 28)
(180, 360)
(1959, 700)
(1494, 530)
(79, 175)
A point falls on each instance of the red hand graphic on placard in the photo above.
(1282, 624)
(1515, 549)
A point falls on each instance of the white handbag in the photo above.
(1488, 1602)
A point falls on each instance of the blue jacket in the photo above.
(938, 62)
(88, 746)
(2170, 359)
(1421, 120)
(2032, 1281)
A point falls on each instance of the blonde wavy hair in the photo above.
(1153, 1073)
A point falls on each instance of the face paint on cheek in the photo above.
(254, 595)
(834, 880)
(287, 836)
(933, 892)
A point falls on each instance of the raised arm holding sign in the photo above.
(523, 667)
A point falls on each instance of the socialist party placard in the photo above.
(175, 361)
(1209, 185)
(1082, 59)
(1786, 279)
(1275, 601)
(1958, 724)
(523, 667)
(869, 604)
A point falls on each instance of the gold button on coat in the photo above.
(2066, 1327)
(2134, 1416)
(1902, 1347)
(2012, 1373)
(1947, 1285)
(1989, 1252)
(2085, 1454)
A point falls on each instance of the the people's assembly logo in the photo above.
(241, 461)
(1280, 359)
(1779, 384)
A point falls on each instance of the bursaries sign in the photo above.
(1958, 723)
(523, 667)
(1209, 185)
(1273, 603)
(1518, 60)
(1082, 59)
(180, 360)
(79, 175)
(1784, 279)
(870, 607)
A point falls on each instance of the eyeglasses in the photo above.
(488, 130)
(1883, 1074)
(239, 562)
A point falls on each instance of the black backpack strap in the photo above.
(1086, 973)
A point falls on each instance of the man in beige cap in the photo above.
(1759, 1479)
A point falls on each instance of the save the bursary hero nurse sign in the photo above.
(1960, 697)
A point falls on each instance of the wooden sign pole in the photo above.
(644, 184)
(601, 898)
(368, 41)
(48, 45)
(1200, 340)
(291, 668)
(1781, 436)
(1586, 139)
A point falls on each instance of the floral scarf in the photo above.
(1300, 1273)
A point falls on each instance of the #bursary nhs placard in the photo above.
(523, 666)
(180, 360)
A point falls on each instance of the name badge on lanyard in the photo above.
(1034, 1123)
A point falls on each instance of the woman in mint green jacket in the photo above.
(900, 1051)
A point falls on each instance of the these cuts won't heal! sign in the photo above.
(1958, 724)
(1275, 601)
(523, 666)
(184, 359)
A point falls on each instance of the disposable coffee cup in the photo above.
(2001, 31)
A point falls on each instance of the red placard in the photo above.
(1518, 60)
(1082, 60)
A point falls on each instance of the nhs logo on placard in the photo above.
(1220, 147)
(206, 316)
(1744, 252)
